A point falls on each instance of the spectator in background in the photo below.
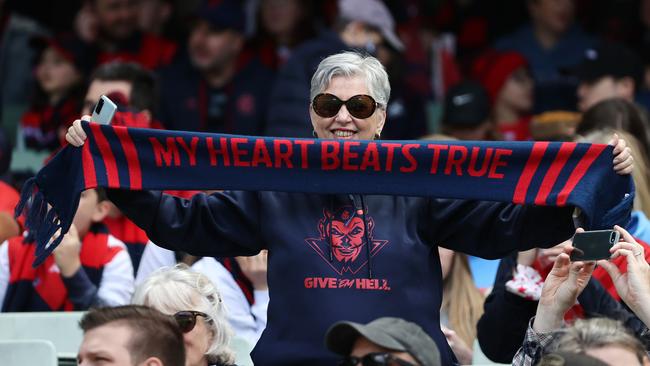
(89, 268)
(138, 89)
(130, 335)
(506, 77)
(199, 309)
(383, 341)
(282, 26)
(111, 26)
(466, 114)
(60, 73)
(609, 71)
(241, 282)
(362, 25)
(462, 304)
(550, 42)
(215, 86)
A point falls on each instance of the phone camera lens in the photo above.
(612, 238)
(100, 104)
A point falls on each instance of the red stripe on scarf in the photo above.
(107, 155)
(554, 171)
(583, 165)
(90, 176)
(539, 148)
(132, 160)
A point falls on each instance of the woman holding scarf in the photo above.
(344, 257)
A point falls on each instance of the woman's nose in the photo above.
(343, 115)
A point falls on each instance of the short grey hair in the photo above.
(593, 333)
(350, 64)
(172, 289)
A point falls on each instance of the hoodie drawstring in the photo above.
(367, 236)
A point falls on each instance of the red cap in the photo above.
(493, 69)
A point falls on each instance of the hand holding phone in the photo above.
(593, 245)
(104, 111)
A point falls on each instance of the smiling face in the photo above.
(343, 125)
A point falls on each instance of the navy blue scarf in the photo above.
(541, 173)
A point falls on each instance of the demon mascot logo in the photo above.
(342, 240)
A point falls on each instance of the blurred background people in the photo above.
(61, 70)
(610, 70)
(466, 114)
(550, 42)
(506, 77)
(215, 85)
(111, 27)
(89, 268)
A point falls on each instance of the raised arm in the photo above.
(220, 224)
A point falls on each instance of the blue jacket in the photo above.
(320, 268)
(183, 99)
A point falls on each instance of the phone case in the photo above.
(593, 245)
(104, 111)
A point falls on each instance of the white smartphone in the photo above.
(104, 111)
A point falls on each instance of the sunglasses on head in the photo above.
(186, 320)
(374, 359)
(360, 106)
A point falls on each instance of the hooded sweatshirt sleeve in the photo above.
(219, 224)
(493, 229)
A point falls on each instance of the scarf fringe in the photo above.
(41, 220)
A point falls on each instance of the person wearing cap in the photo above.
(215, 85)
(384, 341)
(610, 70)
(466, 112)
(59, 72)
(111, 27)
(506, 77)
(551, 42)
(362, 25)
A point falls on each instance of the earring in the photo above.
(377, 135)
(313, 133)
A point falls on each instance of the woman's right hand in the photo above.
(76, 135)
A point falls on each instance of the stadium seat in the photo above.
(28, 352)
(60, 328)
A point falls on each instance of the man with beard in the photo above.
(216, 86)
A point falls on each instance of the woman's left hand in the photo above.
(634, 285)
(623, 160)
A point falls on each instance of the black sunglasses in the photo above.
(374, 359)
(186, 319)
(360, 106)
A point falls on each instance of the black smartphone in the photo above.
(593, 245)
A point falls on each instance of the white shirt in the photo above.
(247, 321)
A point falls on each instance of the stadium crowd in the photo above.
(172, 278)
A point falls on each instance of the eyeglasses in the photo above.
(360, 106)
(187, 319)
(374, 359)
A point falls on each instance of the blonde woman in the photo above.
(198, 308)
(462, 304)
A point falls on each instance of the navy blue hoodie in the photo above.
(319, 271)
